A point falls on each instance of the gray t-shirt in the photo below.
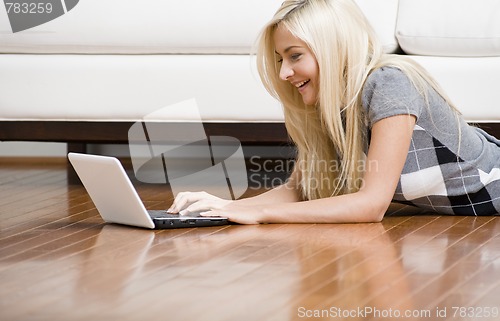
(443, 172)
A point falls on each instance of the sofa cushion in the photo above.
(382, 15)
(128, 87)
(449, 27)
(471, 83)
(145, 27)
(170, 27)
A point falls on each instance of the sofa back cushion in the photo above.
(145, 27)
(382, 15)
(166, 27)
(449, 27)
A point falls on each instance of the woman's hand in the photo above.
(237, 213)
(210, 205)
(191, 202)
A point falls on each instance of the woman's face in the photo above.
(298, 64)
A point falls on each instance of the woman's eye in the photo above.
(293, 57)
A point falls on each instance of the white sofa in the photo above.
(89, 74)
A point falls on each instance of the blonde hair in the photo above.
(331, 137)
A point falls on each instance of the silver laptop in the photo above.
(117, 200)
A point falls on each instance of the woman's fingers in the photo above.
(184, 200)
(204, 205)
(177, 204)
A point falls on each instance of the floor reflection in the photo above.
(112, 263)
(406, 267)
(345, 267)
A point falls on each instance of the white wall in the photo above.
(31, 149)
(41, 149)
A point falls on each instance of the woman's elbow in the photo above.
(375, 210)
(377, 217)
(371, 217)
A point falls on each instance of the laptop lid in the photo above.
(111, 190)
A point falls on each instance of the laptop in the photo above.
(117, 200)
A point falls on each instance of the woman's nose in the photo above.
(285, 72)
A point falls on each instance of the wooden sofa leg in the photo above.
(71, 174)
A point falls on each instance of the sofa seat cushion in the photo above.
(171, 27)
(227, 88)
(471, 83)
(449, 27)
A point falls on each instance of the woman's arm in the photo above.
(285, 193)
(389, 145)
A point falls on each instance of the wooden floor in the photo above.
(58, 261)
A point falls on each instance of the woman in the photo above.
(370, 129)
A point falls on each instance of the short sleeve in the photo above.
(389, 92)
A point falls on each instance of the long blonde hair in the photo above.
(331, 137)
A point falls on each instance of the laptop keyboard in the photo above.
(164, 214)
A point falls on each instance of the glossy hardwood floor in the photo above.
(58, 261)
